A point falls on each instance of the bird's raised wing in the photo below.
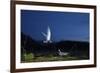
(48, 34)
(44, 34)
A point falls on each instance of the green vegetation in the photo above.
(27, 57)
(31, 58)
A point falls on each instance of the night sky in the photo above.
(64, 25)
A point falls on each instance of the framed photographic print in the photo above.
(51, 36)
